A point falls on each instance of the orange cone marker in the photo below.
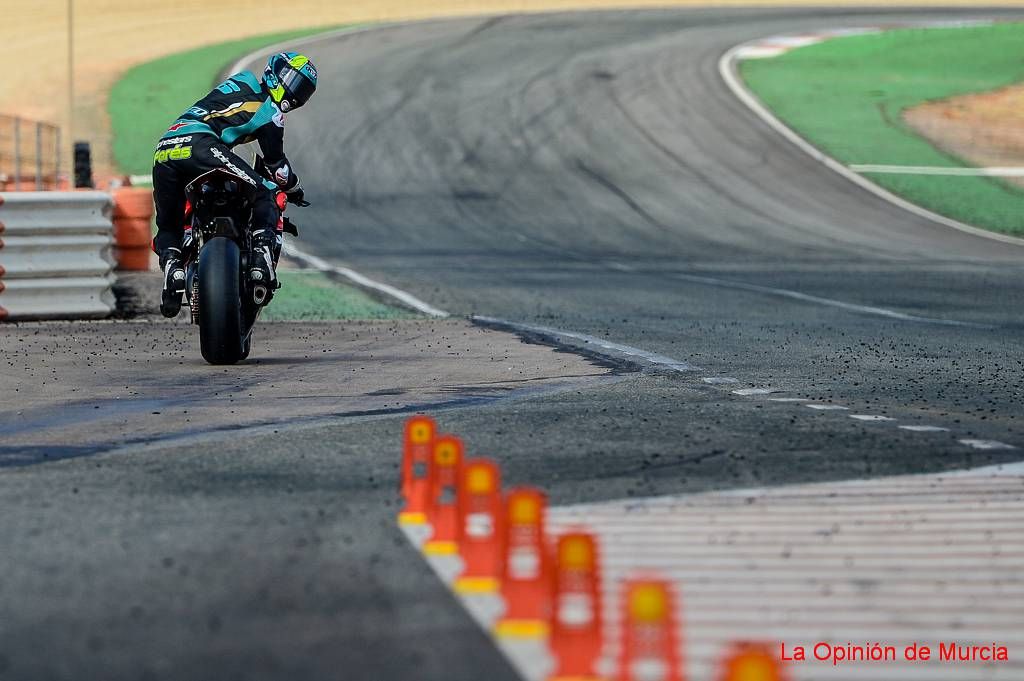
(480, 527)
(416, 465)
(751, 662)
(650, 644)
(576, 610)
(442, 511)
(526, 579)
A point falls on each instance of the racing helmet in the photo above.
(291, 79)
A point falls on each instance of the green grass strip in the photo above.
(150, 96)
(309, 295)
(847, 96)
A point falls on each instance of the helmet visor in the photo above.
(299, 87)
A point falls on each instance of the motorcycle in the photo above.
(223, 302)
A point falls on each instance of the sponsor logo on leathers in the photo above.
(178, 153)
(174, 140)
(219, 155)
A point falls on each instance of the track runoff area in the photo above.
(921, 573)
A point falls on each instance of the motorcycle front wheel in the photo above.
(221, 333)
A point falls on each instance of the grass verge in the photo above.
(847, 96)
(309, 295)
(149, 96)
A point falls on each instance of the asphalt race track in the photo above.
(593, 173)
(579, 171)
(586, 172)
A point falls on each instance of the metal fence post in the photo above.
(56, 161)
(39, 157)
(17, 154)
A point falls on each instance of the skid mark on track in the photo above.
(620, 193)
(829, 302)
(469, 396)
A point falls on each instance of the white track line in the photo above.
(750, 392)
(762, 52)
(727, 69)
(405, 298)
(818, 300)
(937, 170)
(589, 341)
(986, 444)
(795, 41)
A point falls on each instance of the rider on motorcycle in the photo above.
(241, 109)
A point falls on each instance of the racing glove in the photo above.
(297, 197)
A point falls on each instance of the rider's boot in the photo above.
(262, 276)
(174, 282)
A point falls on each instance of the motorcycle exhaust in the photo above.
(259, 294)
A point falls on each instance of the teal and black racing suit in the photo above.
(238, 111)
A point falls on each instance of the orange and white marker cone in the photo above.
(416, 465)
(576, 612)
(751, 662)
(480, 527)
(442, 511)
(650, 643)
(526, 581)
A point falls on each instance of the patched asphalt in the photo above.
(85, 388)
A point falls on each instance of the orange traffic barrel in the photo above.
(416, 464)
(751, 662)
(650, 648)
(442, 510)
(133, 214)
(526, 578)
(480, 522)
(576, 636)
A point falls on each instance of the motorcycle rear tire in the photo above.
(220, 294)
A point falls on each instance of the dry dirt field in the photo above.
(985, 129)
(112, 35)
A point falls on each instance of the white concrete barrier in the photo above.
(55, 259)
